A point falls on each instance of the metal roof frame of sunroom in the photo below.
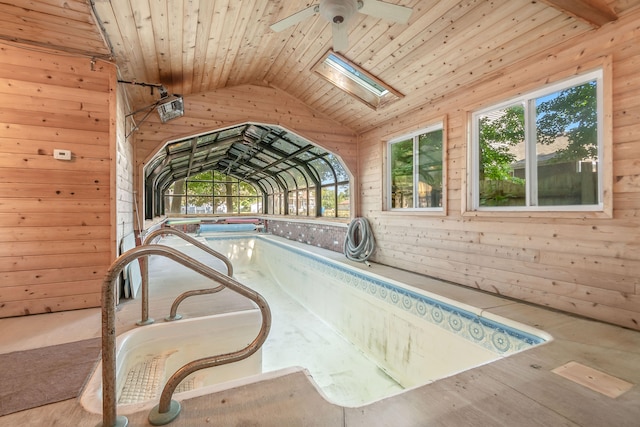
(269, 157)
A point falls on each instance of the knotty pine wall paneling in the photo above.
(57, 217)
(580, 263)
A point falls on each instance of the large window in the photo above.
(212, 192)
(541, 151)
(415, 170)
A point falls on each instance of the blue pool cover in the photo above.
(226, 227)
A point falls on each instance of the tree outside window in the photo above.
(212, 192)
(542, 150)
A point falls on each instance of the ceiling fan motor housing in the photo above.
(338, 11)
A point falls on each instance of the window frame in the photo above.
(438, 210)
(217, 177)
(357, 82)
(603, 102)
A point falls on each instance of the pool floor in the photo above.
(299, 338)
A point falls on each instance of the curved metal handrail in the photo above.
(109, 411)
(144, 272)
(147, 239)
(173, 313)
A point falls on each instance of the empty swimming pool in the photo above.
(360, 336)
(363, 337)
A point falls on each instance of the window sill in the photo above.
(564, 214)
(415, 212)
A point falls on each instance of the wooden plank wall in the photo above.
(57, 234)
(248, 103)
(580, 264)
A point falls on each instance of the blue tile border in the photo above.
(490, 334)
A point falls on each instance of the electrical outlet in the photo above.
(62, 154)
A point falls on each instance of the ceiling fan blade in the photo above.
(340, 37)
(382, 10)
(295, 18)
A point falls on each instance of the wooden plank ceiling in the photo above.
(193, 46)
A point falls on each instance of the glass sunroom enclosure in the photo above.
(246, 169)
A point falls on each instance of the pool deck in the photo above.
(520, 390)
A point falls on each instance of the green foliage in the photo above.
(572, 114)
(210, 188)
(200, 183)
(328, 198)
(402, 158)
(497, 136)
(430, 158)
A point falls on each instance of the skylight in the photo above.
(355, 81)
(343, 67)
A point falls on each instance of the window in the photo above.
(415, 170)
(541, 151)
(355, 81)
(212, 192)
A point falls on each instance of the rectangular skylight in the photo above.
(355, 81)
(344, 68)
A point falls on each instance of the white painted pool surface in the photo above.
(146, 357)
(360, 337)
(343, 373)
(394, 347)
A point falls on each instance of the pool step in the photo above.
(144, 381)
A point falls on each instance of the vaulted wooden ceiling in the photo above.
(193, 46)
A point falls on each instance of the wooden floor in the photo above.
(520, 390)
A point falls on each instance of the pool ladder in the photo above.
(167, 409)
(144, 272)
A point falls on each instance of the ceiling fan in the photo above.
(339, 12)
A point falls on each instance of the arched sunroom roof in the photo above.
(271, 158)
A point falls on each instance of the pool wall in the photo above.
(322, 234)
(414, 336)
